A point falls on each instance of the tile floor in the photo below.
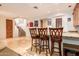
(22, 46)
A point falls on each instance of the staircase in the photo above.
(21, 31)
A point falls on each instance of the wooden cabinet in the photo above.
(76, 15)
(70, 50)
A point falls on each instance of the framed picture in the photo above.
(36, 23)
(31, 24)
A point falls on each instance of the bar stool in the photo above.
(35, 38)
(44, 40)
(56, 36)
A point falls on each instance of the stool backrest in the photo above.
(56, 33)
(33, 32)
(42, 32)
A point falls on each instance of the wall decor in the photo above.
(31, 24)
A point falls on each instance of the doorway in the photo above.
(41, 23)
(58, 22)
(21, 26)
(9, 28)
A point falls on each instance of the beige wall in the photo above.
(45, 23)
(2, 27)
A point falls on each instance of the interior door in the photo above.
(9, 28)
(59, 22)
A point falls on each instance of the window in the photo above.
(58, 22)
(49, 22)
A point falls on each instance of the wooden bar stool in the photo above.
(44, 40)
(56, 36)
(35, 38)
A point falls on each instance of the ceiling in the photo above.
(27, 10)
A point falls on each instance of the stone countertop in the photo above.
(71, 38)
(71, 34)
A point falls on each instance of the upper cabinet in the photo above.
(76, 15)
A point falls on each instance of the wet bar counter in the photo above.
(71, 38)
(71, 44)
(71, 34)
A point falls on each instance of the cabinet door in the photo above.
(78, 14)
(74, 18)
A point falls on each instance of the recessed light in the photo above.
(35, 7)
(69, 6)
